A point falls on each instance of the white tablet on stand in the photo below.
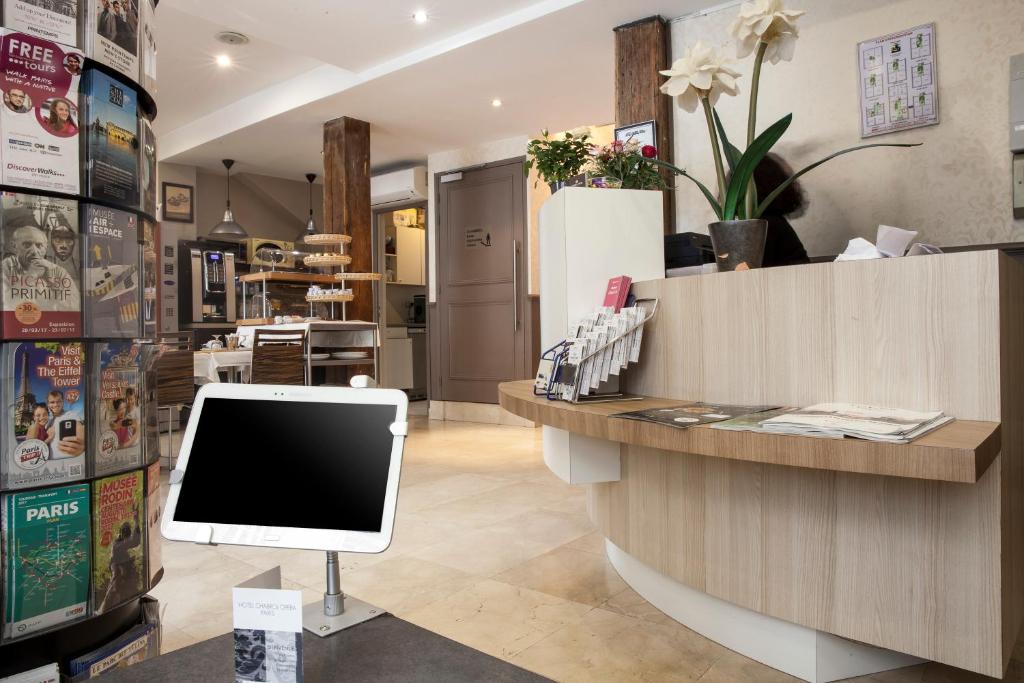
(312, 468)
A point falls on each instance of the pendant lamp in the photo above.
(228, 227)
(310, 228)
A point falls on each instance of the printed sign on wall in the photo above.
(898, 88)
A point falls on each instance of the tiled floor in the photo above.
(493, 551)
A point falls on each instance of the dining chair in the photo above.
(175, 385)
(278, 357)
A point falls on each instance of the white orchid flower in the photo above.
(701, 72)
(766, 21)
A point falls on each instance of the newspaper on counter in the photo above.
(836, 420)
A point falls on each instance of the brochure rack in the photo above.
(568, 375)
(61, 642)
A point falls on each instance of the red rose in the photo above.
(649, 151)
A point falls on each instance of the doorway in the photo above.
(400, 255)
(481, 283)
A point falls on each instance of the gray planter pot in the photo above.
(576, 181)
(738, 242)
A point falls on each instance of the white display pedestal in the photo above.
(587, 237)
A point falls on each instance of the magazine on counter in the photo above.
(839, 420)
(42, 265)
(118, 564)
(692, 414)
(45, 434)
(751, 422)
(111, 296)
(46, 562)
(55, 20)
(39, 118)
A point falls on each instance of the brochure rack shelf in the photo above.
(960, 451)
(106, 164)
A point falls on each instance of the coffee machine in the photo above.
(206, 285)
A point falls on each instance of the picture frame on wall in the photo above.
(178, 202)
(645, 133)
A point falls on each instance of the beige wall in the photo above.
(273, 208)
(955, 189)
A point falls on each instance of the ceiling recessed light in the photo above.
(495, 102)
(420, 16)
(223, 61)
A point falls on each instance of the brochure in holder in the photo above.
(320, 472)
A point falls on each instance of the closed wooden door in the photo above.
(481, 280)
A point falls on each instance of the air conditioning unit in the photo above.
(399, 187)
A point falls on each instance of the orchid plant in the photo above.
(766, 29)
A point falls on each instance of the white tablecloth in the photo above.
(206, 363)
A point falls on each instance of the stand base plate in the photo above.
(356, 612)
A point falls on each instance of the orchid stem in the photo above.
(762, 46)
(716, 149)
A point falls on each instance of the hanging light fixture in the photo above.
(228, 227)
(310, 228)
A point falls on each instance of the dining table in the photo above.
(209, 363)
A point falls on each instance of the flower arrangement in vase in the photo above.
(766, 29)
(626, 165)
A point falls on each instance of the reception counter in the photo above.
(821, 558)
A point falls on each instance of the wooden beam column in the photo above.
(642, 49)
(347, 201)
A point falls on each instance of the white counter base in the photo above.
(799, 651)
(580, 459)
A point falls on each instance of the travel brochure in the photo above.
(46, 563)
(118, 569)
(111, 282)
(111, 140)
(39, 118)
(55, 20)
(116, 432)
(41, 252)
(45, 429)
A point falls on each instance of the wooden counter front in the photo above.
(915, 548)
(960, 451)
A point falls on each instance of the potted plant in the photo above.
(559, 161)
(768, 30)
(626, 165)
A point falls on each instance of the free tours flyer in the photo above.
(39, 118)
(45, 430)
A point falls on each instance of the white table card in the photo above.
(268, 630)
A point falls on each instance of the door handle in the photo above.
(515, 285)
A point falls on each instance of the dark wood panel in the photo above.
(347, 201)
(642, 49)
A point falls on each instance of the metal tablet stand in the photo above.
(337, 611)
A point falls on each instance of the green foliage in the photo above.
(558, 160)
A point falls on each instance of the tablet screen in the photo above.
(288, 464)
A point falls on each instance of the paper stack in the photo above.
(836, 420)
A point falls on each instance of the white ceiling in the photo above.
(424, 88)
